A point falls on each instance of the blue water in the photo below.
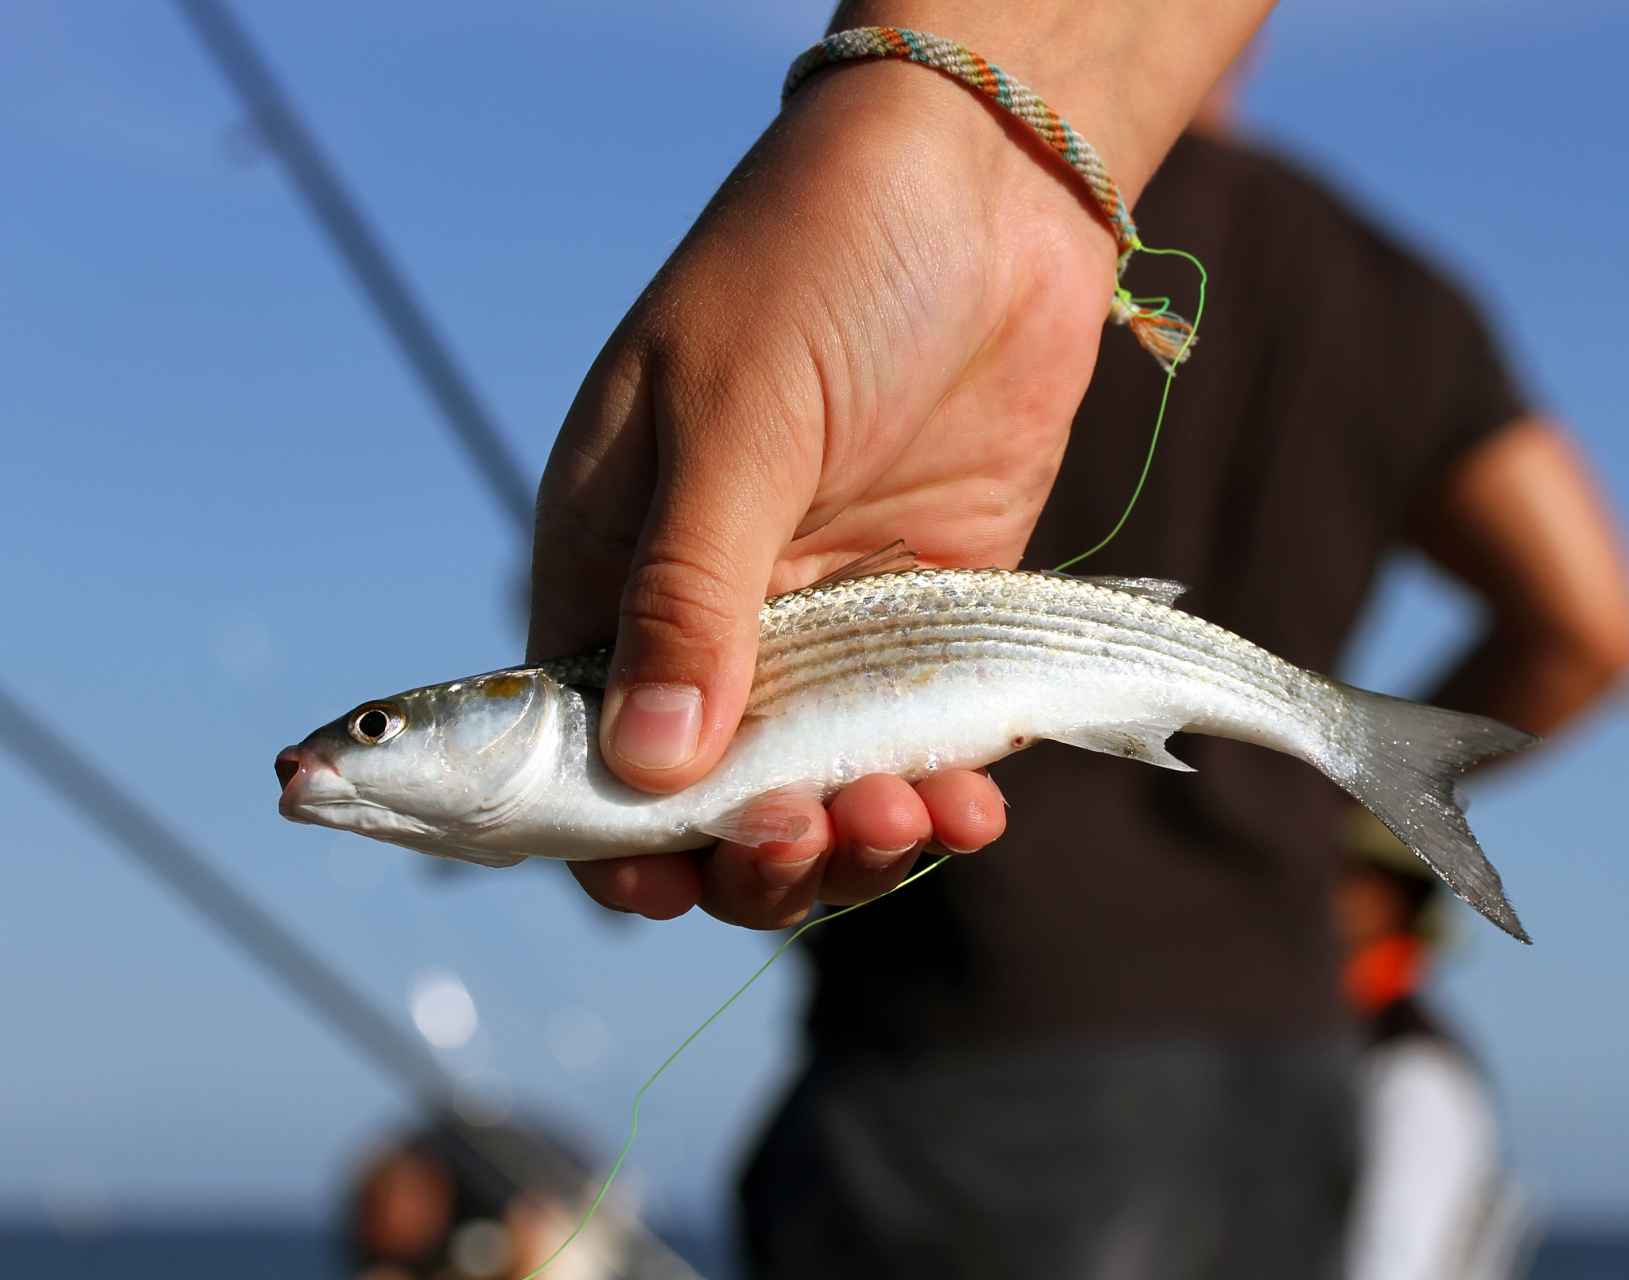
(227, 1254)
(308, 1255)
(168, 1255)
(1565, 1257)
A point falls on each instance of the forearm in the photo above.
(1520, 519)
(1535, 680)
(1128, 74)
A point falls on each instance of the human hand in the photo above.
(892, 272)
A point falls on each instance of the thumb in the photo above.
(687, 636)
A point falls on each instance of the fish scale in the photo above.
(906, 672)
(810, 634)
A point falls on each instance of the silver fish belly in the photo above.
(905, 673)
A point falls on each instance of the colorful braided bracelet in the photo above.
(1168, 336)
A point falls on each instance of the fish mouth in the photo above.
(315, 792)
(309, 780)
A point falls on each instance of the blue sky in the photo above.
(227, 513)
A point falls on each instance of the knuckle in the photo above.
(682, 601)
(578, 528)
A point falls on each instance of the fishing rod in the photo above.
(482, 1149)
(186, 871)
(166, 854)
(279, 126)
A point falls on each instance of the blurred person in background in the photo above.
(1433, 1199)
(447, 1203)
(432, 1207)
(1115, 1045)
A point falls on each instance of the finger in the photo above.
(965, 807)
(591, 506)
(658, 886)
(879, 826)
(687, 634)
(772, 885)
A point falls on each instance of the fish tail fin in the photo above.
(1405, 759)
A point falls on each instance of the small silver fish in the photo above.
(905, 673)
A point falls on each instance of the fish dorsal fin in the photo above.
(1162, 590)
(896, 557)
(591, 670)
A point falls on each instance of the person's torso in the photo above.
(1127, 899)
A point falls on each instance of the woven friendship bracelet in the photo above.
(1168, 336)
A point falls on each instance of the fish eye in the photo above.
(375, 723)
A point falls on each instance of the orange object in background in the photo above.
(1384, 971)
(1433, 1200)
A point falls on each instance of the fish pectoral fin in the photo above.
(896, 557)
(1134, 741)
(776, 817)
(1162, 590)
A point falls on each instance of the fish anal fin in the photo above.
(896, 557)
(1161, 590)
(782, 816)
(1133, 741)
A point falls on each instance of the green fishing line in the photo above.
(1161, 305)
(639, 1097)
(1164, 304)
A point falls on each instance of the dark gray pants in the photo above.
(1181, 1160)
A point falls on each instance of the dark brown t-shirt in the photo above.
(1334, 377)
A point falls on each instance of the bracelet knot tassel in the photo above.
(1167, 336)
(1163, 334)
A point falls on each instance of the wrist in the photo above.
(878, 112)
(1127, 75)
(1041, 46)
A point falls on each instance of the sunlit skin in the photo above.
(538, 1226)
(881, 328)
(405, 1213)
(860, 846)
(1521, 519)
(406, 1207)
